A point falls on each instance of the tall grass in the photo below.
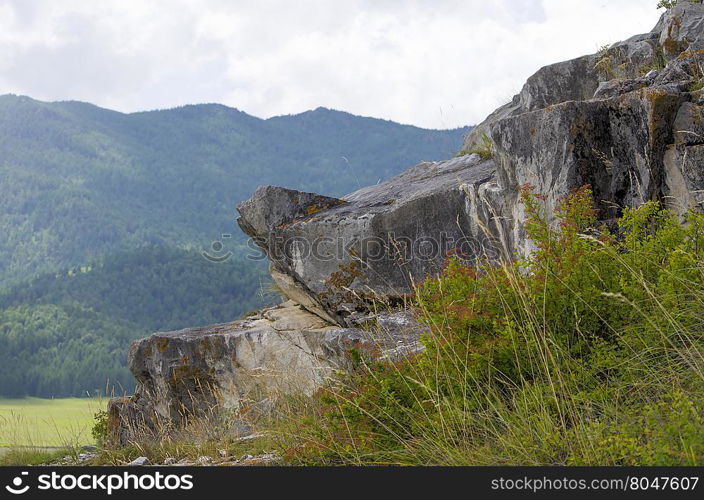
(587, 352)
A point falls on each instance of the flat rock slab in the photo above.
(244, 366)
(374, 244)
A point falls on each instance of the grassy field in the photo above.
(39, 422)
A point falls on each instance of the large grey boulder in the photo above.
(617, 146)
(199, 373)
(376, 243)
(608, 120)
(681, 29)
(636, 139)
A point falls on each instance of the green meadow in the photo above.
(47, 423)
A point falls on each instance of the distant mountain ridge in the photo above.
(79, 181)
(104, 217)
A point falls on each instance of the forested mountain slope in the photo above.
(67, 333)
(104, 217)
(78, 181)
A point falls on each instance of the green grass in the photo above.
(47, 423)
(589, 352)
(485, 149)
(32, 456)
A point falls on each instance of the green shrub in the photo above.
(100, 427)
(604, 65)
(666, 432)
(485, 149)
(587, 352)
(666, 4)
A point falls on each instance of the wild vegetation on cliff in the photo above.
(588, 352)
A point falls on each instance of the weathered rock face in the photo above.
(573, 80)
(615, 145)
(196, 372)
(635, 140)
(629, 121)
(684, 160)
(679, 30)
(194, 369)
(376, 242)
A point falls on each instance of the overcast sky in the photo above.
(431, 63)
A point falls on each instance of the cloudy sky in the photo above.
(431, 63)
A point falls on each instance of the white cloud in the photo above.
(434, 63)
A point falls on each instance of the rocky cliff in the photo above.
(629, 121)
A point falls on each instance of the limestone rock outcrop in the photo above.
(678, 31)
(624, 121)
(237, 366)
(377, 242)
(635, 140)
(629, 121)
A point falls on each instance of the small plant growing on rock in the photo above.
(666, 4)
(605, 64)
(698, 84)
(658, 63)
(485, 149)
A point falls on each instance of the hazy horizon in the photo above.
(434, 65)
(228, 107)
